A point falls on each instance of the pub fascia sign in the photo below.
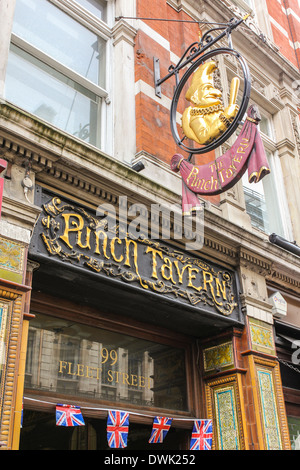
(75, 236)
(207, 123)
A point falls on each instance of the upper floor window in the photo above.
(246, 6)
(97, 7)
(57, 65)
(266, 201)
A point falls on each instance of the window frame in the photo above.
(58, 66)
(243, 5)
(102, 30)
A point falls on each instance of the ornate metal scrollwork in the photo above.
(197, 56)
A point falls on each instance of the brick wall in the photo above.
(285, 23)
(167, 41)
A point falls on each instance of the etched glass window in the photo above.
(83, 361)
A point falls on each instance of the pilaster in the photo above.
(7, 8)
(262, 386)
(12, 300)
(124, 91)
(223, 385)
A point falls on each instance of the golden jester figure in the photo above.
(207, 119)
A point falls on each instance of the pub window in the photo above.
(82, 361)
(57, 64)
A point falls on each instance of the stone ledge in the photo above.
(18, 217)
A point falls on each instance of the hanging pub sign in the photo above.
(80, 238)
(207, 123)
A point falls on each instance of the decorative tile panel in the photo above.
(261, 335)
(218, 357)
(12, 260)
(227, 424)
(269, 410)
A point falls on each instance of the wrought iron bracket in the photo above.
(193, 52)
(156, 68)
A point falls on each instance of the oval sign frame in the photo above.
(242, 110)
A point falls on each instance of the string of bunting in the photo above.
(118, 426)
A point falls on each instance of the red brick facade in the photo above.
(285, 22)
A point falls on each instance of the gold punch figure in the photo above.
(207, 119)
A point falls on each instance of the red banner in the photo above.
(225, 171)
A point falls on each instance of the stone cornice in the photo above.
(25, 214)
(123, 31)
(289, 281)
(24, 137)
(286, 147)
(258, 263)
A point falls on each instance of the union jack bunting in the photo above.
(68, 415)
(202, 435)
(160, 429)
(117, 429)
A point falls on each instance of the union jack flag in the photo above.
(117, 429)
(202, 435)
(68, 415)
(160, 429)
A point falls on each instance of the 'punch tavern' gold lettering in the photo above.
(151, 264)
(163, 267)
